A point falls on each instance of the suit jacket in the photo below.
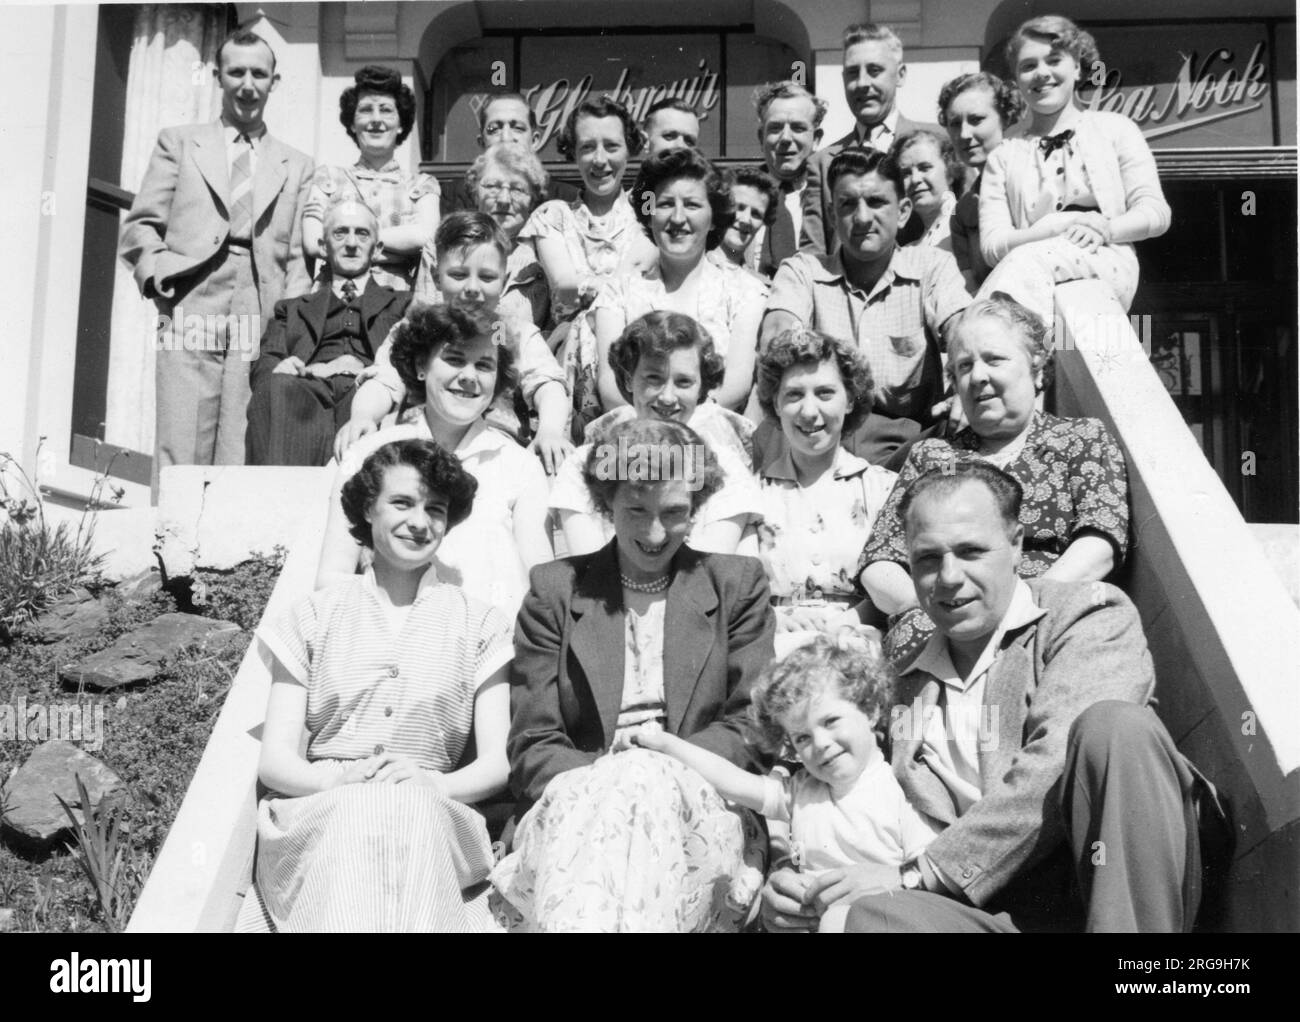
(1088, 646)
(181, 215)
(818, 225)
(298, 326)
(567, 676)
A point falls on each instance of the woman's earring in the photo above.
(419, 376)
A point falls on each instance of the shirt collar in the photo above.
(336, 283)
(936, 660)
(230, 133)
(427, 581)
(390, 169)
(845, 466)
(890, 122)
(904, 263)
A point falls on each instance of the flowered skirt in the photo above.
(636, 842)
(393, 858)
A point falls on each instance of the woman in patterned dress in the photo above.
(389, 673)
(685, 205)
(643, 633)
(819, 501)
(1066, 199)
(1075, 509)
(378, 113)
(581, 244)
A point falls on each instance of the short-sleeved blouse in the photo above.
(373, 689)
(391, 195)
(722, 296)
(596, 245)
(1073, 476)
(479, 554)
(811, 537)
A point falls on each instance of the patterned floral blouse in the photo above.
(391, 195)
(811, 537)
(1073, 475)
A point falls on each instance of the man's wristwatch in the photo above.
(910, 875)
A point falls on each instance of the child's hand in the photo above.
(651, 735)
(850, 882)
(784, 909)
(552, 446)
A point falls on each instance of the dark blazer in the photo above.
(1088, 646)
(567, 676)
(818, 224)
(299, 324)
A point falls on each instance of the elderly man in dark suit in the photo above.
(214, 239)
(316, 346)
(873, 71)
(1023, 731)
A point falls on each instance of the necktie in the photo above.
(349, 291)
(782, 238)
(1050, 143)
(241, 191)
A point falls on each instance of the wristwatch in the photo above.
(910, 875)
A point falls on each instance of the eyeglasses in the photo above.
(497, 187)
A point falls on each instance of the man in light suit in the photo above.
(317, 344)
(214, 240)
(873, 71)
(1023, 732)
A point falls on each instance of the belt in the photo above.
(817, 599)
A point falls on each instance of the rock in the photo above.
(138, 655)
(140, 586)
(8, 919)
(33, 816)
(76, 616)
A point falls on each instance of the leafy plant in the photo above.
(40, 563)
(102, 855)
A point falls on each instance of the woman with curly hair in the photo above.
(666, 366)
(1069, 197)
(645, 633)
(684, 203)
(975, 109)
(819, 501)
(390, 674)
(932, 178)
(452, 359)
(378, 113)
(756, 198)
(821, 704)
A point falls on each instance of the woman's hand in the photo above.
(630, 738)
(350, 434)
(552, 447)
(359, 771)
(394, 769)
(1085, 235)
(650, 735)
(784, 910)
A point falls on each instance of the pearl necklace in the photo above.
(657, 586)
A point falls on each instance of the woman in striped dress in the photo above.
(373, 828)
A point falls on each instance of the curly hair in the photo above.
(386, 82)
(765, 94)
(1024, 324)
(513, 159)
(656, 335)
(428, 328)
(859, 675)
(1060, 34)
(1008, 104)
(648, 451)
(566, 144)
(800, 346)
(860, 163)
(952, 168)
(440, 472)
(762, 182)
(658, 171)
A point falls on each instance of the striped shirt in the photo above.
(372, 688)
(896, 325)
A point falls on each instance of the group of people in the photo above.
(833, 619)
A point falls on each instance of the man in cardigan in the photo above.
(316, 345)
(214, 239)
(873, 71)
(1022, 731)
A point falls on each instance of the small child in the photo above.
(471, 273)
(822, 702)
